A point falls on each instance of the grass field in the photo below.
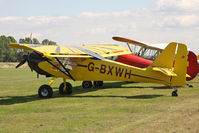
(116, 108)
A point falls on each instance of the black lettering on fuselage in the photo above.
(110, 70)
(103, 68)
(91, 66)
(127, 73)
(119, 71)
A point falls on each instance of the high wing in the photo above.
(130, 41)
(140, 49)
(104, 50)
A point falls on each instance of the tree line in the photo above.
(9, 54)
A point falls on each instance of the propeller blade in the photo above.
(23, 61)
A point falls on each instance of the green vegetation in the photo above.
(8, 54)
(119, 107)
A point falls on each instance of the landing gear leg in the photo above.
(46, 91)
(52, 80)
(65, 88)
(175, 92)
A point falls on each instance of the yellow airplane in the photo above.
(91, 63)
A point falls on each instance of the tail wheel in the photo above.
(45, 91)
(174, 93)
(98, 83)
(87, 84)
(68, 89)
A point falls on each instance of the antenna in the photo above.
(31, 38)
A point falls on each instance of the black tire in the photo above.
(45, 91)
(98, 84)
(87, 84)
(68, 88)
(174, 94)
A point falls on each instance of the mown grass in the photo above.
(118, 107)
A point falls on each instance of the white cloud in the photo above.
(191, 5)
(188, 20)
(40, 20)
(11, 19)
(177, 21)
(47, 19)
(97, 31)
(93, 15)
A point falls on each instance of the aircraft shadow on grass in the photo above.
(9, 100)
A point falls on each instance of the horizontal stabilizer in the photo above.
(164, 71)
(188, 76)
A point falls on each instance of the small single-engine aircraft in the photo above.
(92, 63)
(143, 56)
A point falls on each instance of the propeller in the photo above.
(25, 58)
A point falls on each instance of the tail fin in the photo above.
(175, 61)
(166, 58)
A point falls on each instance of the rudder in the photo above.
(180, 66)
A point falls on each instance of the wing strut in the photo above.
(68, 73)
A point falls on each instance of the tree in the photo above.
(9, 54)
(35, 41)
(11, 39)
(28, 40)
(22, 40)
(47, 42)
(52, 43)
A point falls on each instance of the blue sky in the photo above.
(72, 22)
(67, 7)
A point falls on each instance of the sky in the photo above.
(75, 22)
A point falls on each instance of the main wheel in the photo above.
(87, 84)
(45, 91)
(174, 93)
(68, 88)
(98, 83)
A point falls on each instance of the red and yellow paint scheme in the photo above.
(139, 60)
(92, 63)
